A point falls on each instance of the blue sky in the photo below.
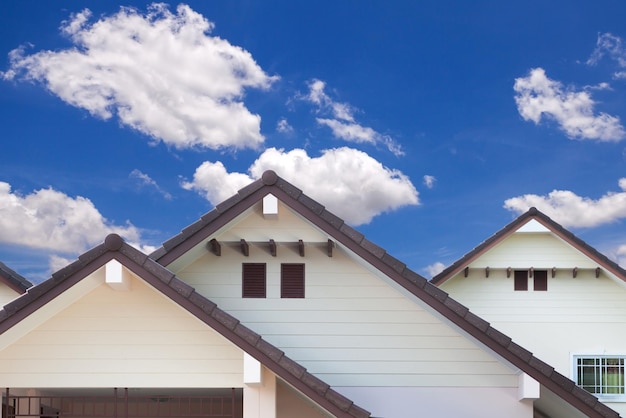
(426, 125)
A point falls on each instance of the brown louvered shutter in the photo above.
(253, 280)
(541, 280)
(292, 280)
(521, 280)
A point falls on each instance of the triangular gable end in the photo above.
(200, 233)
(534, 221)
(164, 282)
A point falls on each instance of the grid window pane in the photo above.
(601, 375)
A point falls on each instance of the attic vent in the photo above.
(270, 206)
(292, 281)
(253, 283)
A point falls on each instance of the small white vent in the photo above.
(270, 206)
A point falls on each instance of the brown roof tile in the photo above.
(13, 279)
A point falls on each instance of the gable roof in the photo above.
(508, 230)
(270, 183)
(185, 296)
(13, 280)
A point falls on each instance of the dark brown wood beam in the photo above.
(273, 248)
(329, 247)
(215, 247)
(301, 248)
(245, 248)
(486, 271)
(575, 272)
(597, 272)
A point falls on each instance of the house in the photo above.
(268, 306)
(11, 284)
(553, 294)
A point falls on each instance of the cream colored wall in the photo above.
(546, 251)
(290, 404)
(108, 338)
(352, 328)
(7, 294)
(582, 315)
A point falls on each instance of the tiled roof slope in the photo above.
(439, 300)
(13, 280)
(185, 296)
(509, 229)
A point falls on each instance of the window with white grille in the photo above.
(600, 375)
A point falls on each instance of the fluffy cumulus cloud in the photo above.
(348, 182)
(538, 96)
(571, 210)
(434, 269)
(216, 184)
(342, 122)
(161, 73)
(51, 220)
(613, 47)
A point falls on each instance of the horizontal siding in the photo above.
(131, 338)
(575, 315)
(352, 326)
(524, 250)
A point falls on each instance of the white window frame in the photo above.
(607, 397)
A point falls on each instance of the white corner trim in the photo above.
(251, 370)
(528, 388)
(117, 276)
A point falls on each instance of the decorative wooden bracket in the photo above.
(329, 247)
(575, 272)
(273, 248)
(530, 272)
(508, 272)
(466, 272)
(486, 271)
(301, 248)
(553, 272)
(245, 248)
(597, 272)
(215, 247)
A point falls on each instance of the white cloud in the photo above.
(429, 181)
(350, 183)
(343, 123)
(213, 182)
(537, 96)
(434, 269)
(160, 73)
(51, 220)
(146, 180)
(571, 210)
(611, 45)
(283, 126)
